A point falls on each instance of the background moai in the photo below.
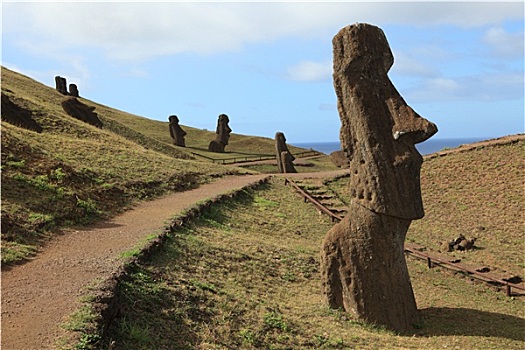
(16, 115)
(73, 90)
(363, 267)
(176, 132)
(339, 159)
(81, 111)
(284, 156)
(223, 135)
(61, 85)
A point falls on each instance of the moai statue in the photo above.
(284, 157)
(81, 111)
(61, 85)
(363, 267)
(73, 90)
(176, 132)
(223, 135)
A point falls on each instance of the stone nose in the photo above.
(416, 133)
(410, 127)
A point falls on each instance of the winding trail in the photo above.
(39, 295)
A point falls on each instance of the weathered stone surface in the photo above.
(284, 156)
(81, 111)
(363, 266)
(61, 85)
(16, 115)
(339, 159)
(73, 90)
(176, 132)
(223, 135)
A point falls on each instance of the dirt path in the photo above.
(38, 295)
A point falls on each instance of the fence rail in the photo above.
(254, 157)
(431, 258)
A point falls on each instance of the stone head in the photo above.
(378, 129)
(223, 118)
(279, 138)
(173, 119)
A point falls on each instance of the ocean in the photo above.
(427, 147)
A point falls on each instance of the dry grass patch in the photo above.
(245, 276)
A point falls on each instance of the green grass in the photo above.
(256, 285)
(75, 174)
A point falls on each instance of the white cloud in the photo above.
(474, 88)
(310, 71)
(505, 44)
(142, 30)
(407, 65)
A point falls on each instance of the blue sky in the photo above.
(268, 65)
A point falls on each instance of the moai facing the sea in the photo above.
(284, 157)
(223, 135)
(176, 132)
(363, 267)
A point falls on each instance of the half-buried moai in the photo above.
(61, 85)
(73, 90)
(363, 267)
(284, 156)
(223, 135)
(176, 132)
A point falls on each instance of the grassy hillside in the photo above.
(74, 173)
(479, 194)
(246, 276)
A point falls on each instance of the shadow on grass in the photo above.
(444, 321)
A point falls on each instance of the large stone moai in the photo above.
(363, 267)
(61, 85)
(284, 156)
(223, 135)
(176, 132)
(73, 90)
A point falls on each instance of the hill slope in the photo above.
(73, 172)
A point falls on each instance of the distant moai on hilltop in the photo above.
(73, 90)
(223, 135)
(61, 85)
(176, 132)
(284, 156)
(363, 267)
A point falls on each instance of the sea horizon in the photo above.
(428, 147)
